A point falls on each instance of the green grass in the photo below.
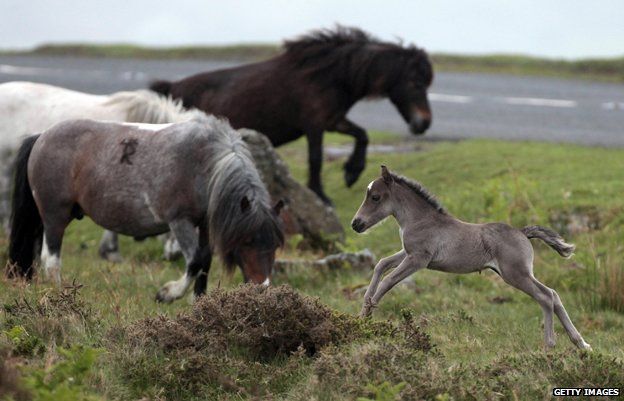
(604, 69)
(483, 349)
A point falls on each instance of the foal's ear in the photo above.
(278, 207)
(245, 204)
(385, 174)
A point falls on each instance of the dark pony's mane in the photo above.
(420, 191)
(345, 52)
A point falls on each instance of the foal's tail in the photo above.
(550, 237)
(26, 224)
(162, 87)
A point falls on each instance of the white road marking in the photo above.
(535, 101)
(15, 70)
(443, 97)
(613, 105)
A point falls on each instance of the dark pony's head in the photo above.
(243, 228)
(361, 66)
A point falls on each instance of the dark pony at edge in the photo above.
(309, 88)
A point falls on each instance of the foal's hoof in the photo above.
(585, 346)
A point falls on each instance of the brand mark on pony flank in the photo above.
(129, 148)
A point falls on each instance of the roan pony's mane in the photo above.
(234, 176)
(420, 191)
(145, 106)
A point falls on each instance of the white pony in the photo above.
(27, 108)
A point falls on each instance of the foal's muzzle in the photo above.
(358, 225)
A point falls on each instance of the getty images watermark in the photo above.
(586, 392)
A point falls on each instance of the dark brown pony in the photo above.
(309, 88)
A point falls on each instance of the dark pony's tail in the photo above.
(550, 237)
(26, 224)
(162, 87)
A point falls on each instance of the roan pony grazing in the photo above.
(435, 240)
(143, 180)
(309, 88)
(27, 108)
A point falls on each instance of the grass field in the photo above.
(611, 69)
(445, 337)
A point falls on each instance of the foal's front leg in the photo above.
(382, 266)
(186, 235)
(410, 264)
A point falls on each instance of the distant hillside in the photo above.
(595, 69)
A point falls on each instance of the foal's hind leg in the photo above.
(523, 279)
(109, 247)
(186, 235)
(573, 333)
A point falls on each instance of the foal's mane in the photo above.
(234, 176)
(419, 190)
(348, 51)
(145, 106)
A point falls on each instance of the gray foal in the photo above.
(434, 239)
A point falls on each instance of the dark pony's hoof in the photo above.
(326, 200)
(351, 177)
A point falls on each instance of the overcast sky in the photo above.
(553, 28)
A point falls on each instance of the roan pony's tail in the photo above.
(26, 224)
(162, 87)
(550, 237)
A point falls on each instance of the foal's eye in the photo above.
(375, 198)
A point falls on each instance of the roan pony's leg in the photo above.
(185, 232)
(409, 265)
(51, 253)
(109, 247)
(382, 266)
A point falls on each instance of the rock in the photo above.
(304, 213)
(363, 260)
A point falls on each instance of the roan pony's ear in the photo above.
(278, 207)
(385, 173)
(245, 204)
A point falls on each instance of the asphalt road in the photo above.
(464, 105)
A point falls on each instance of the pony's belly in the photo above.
(127, 219)
(454, 268)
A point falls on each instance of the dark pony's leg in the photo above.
(357, 161)
(202, 262)
(185, 233)
(315, 162)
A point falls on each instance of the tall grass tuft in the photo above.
(605, 281)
